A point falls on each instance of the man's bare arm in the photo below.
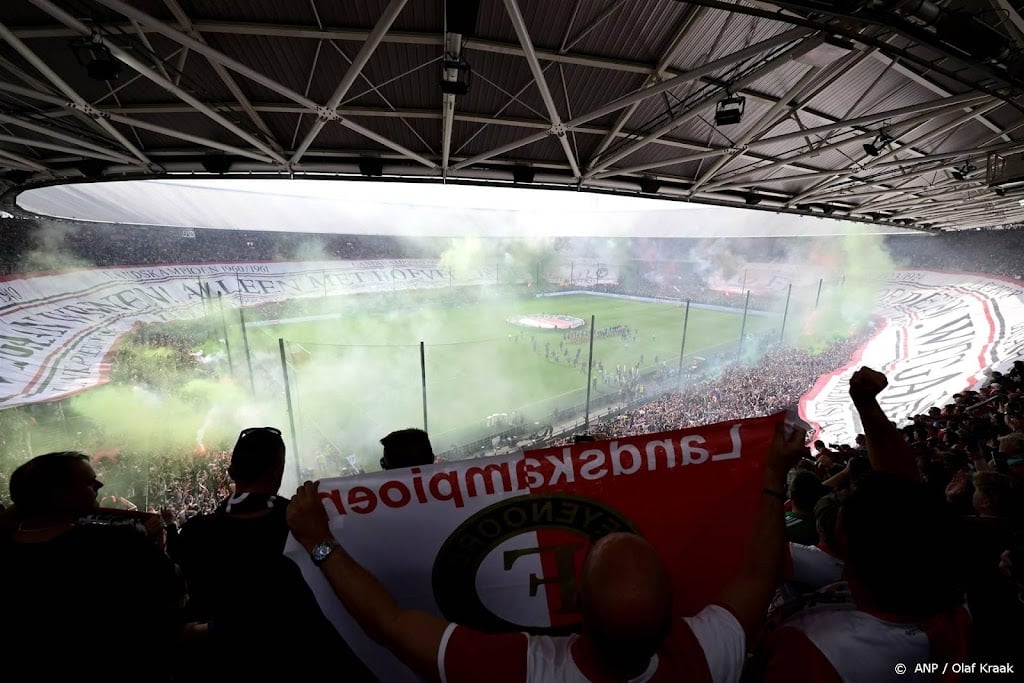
(750, 591)
(413, 636)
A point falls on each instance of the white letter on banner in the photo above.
(617, 451)
(563, 467)
(593, 464)
(686, 443)
(652, 453)
(737, 445)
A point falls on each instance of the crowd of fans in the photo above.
(907, 542)
(911, 539)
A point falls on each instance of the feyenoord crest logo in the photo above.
(555, 529)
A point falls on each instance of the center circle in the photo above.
(546, 321)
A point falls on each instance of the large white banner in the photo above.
(940, 332)
(57, 331)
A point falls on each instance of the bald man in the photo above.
(628, 634)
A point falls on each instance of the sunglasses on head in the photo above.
(255, 430)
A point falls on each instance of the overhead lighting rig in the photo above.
(875, 147)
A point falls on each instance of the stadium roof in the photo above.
(895, 112)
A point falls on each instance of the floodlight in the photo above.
(217, 163)
(961, 172)
(874, 148)
(729, 110)
(456, 75)
(649, 185)
(522, 174)
(371, 167)
(97, 59)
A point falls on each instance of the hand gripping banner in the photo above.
(497, 543)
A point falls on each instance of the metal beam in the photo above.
(657, 74)
(58, 135)
(746, 177)
(765, 122)
(68, 91)
(704, 102)
(42, 144)
(67, 19)
(557, 129)
(874, 161)
(252, 74)
(27, 164)
(452, 50)
(222, 74)
(179, 135)
(381, 28)
(645, 93)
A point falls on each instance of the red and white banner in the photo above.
(941, 333)
(496, 543)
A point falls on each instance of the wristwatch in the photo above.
(321, 551)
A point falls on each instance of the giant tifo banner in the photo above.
(940, 332)
(57, 330)
(497, 543)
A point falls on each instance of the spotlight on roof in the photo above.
(650, 185)
(455, 76)
(729, 110)
(371, 167)
(522, 174)
(961, 172)
(875, 147)
(99, 63)
(752, 199)
(217, 163)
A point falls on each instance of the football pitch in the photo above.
(357, 375)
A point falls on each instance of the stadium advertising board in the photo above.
(497, 543)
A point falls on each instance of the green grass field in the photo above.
(358, 376)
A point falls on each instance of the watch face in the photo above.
(322, 550)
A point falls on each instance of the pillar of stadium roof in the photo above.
(222, 74)
(239, 68)
(866, 163)
(130, 61)
(802, 47)
(675, 45)
(645, 93)
(557, 128)
(453, 49)
(366, 50)
(77, 101)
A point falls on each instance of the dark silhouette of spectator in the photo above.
(817, 566)
(240, 583)
(73, 592)
(903, 601)
(406, 448)
(804, 493)
(624, 598)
